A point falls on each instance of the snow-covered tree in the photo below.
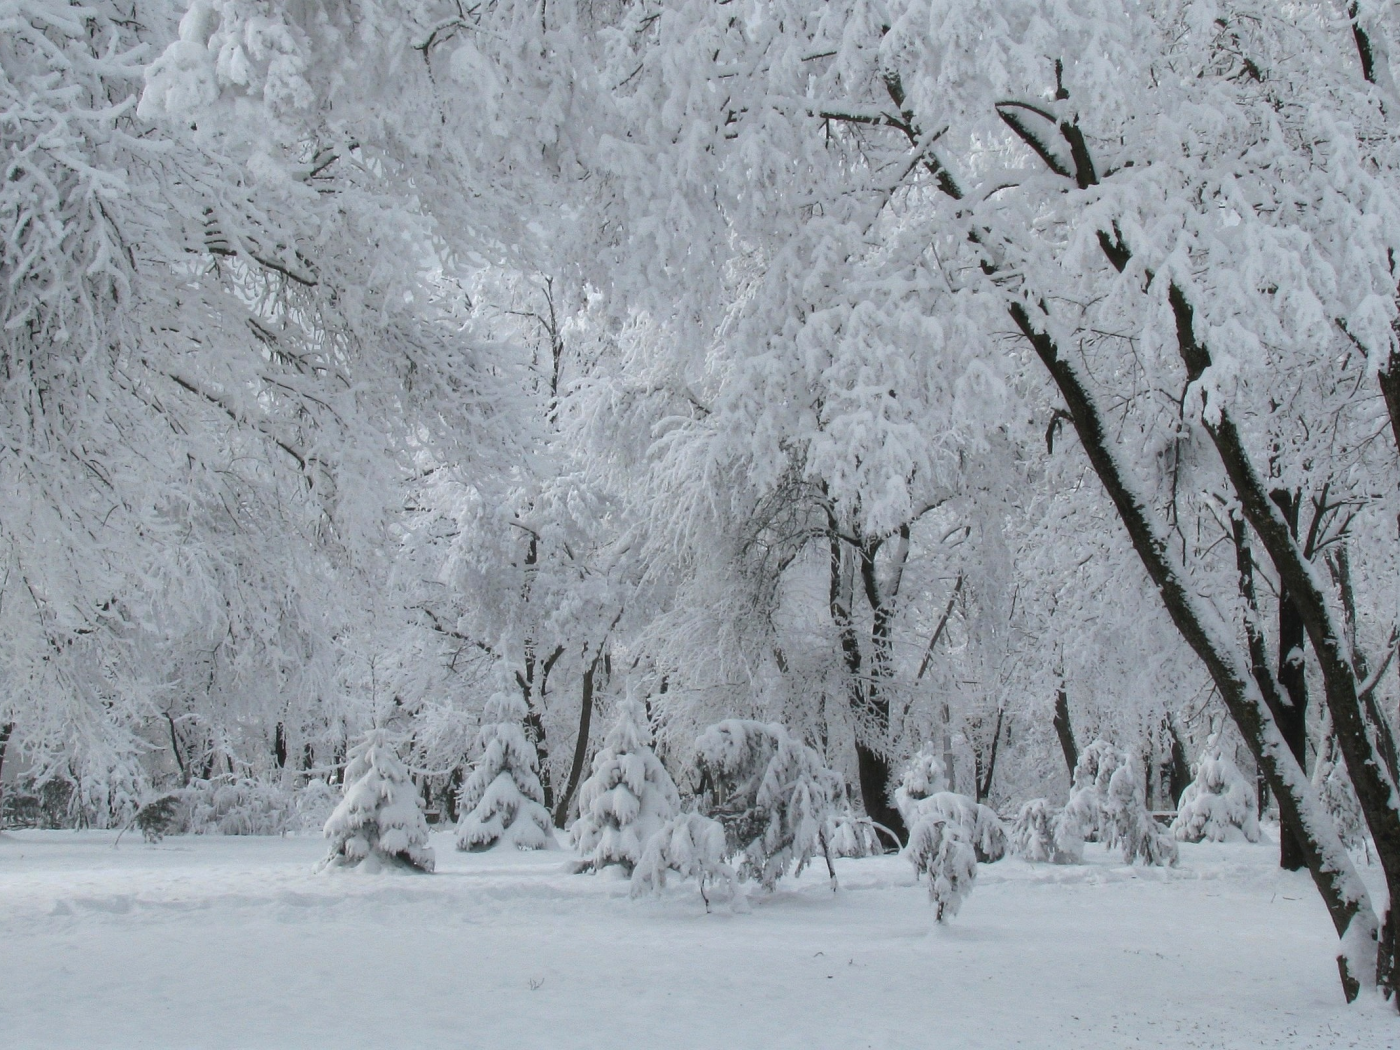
(501, 802)
(628, 797)
(379, 819)
(1218, 805)
(773, 795)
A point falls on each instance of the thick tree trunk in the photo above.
(1065, 731)
(1180, 771)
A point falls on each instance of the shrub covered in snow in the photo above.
(939, 848)
(1218, 804)
(379, 819)
(229, 805)
(626, 799)
(692, 846)
(773, 795)
(1040, 834)
(981, 827)
(1133, 828)
(502, 801)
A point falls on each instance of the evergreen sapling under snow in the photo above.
(502, 802)
(1218, 805)
(773, 795)
(379, 819)
(626, 800)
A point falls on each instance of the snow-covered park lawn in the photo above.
(234, 942)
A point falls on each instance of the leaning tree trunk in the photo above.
(1375, 790)
(1065, 731)
(585, 721)
(1345, 895)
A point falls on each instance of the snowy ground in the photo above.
(226, 942)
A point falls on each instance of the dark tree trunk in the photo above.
(1292, 715)
(279, 745)
(6, 731)
(872, 766)
(875, 766)
(1179, 774)
(984, 784)
(585, 721)
(1065, 731)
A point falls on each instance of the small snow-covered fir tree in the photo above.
(773, 795)
(922, 777)
(379, 819)
(1218, 805)
(939, 848)
(691, 845)
(502, 802)
(981, 827)
(626, 799)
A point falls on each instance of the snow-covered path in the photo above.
(223, 942)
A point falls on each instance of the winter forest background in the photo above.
(949, 393)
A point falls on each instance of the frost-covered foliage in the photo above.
(854, 835)
(939, 848)
(692, 846)
(380, 819)
(980, 826)
(773, 794)
(628, 797)
(502, 801)
(1039, 834)
(1218, 805)
(923, 776)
